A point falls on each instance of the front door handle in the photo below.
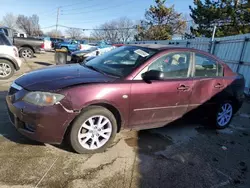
(183, 87)
(218, 85)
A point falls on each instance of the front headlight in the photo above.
(42, 98)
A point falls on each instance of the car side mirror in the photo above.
(153, 75)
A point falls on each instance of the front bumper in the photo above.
(43, 124)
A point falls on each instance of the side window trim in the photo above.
(217, 67)
(190, 67)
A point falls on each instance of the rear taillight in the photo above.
(42, 46)
(15, 52)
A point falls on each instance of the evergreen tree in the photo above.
(231, 17)
(160, 23)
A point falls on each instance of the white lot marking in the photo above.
(46, 173)
(245, 115)
(221, 184)
(224, 182)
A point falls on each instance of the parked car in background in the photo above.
(130, 87)
(55, 40)
(47, 44)
(69, 46)
(17, 34)
(118, 45)
(28, 46)
(80, 56)
(9, 58)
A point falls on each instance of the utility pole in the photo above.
(58, 12)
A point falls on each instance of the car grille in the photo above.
(12, 117)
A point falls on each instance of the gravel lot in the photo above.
(180, 155)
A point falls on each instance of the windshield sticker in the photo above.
(141, 53)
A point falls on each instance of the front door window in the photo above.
(173, 65)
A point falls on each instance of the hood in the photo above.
(60, 76)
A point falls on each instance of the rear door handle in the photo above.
(183, 87)
(218, 85)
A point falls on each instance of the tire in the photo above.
(26, 52)
(91, 133)
(224, 114)
(6, 67)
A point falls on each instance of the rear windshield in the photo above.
(4, 40)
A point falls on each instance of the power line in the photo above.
(86, 29)
(74, 9)
(48, 27)
(70, 5)
(99, 9)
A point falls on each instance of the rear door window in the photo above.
(207, 67)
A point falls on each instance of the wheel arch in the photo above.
(114, 110)
(11, 61)
(27, 46)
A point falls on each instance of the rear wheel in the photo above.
(6, 69)
(93, 130)
(224, 114)
(26, 52)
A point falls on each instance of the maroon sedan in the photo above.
(131, 87)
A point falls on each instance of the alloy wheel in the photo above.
(5, 70)
(26, 53)
(225, 114)
(95, 132)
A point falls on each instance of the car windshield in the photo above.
(122, 61)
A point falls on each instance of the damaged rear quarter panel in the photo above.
(79, 97)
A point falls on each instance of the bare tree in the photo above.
(119, 30)
(34, 20)
(126, 29)
(97, 34)
(54, 33)
(9, 20)
(30, 25)
(74, 33)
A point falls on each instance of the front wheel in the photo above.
(6, 69)
(93, 130)
(224, 115)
